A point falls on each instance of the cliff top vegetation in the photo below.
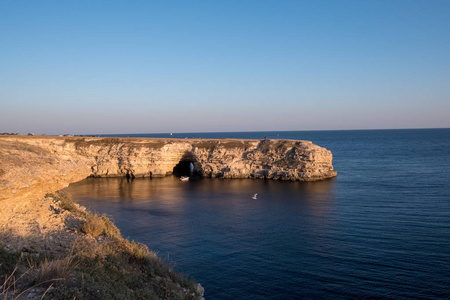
(101, 264)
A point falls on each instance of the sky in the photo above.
(105, 67)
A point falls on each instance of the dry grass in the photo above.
(109, 267)
(65, 202)
(226, 144)
(266, 146)
(96, 225)
(82, 142)
(154, 144)
(236, 144)
(56, 269)
(15, 154)
(9, 283)
(16, 283)
(206, 144)
(8, 146)
(123, 269)
(113, 269)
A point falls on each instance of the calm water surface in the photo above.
(380, 229)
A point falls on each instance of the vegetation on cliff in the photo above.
(132, 143)
(223, 143)
(100, 265)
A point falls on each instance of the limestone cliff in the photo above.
(38, 165)
(227, 158)
(32, 166)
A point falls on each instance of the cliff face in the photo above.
(39, 165)
(272, 159)
(227, 158)
(31, 167)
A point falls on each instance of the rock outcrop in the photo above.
(39, 165)
(269, 159)
(33, 166)
(227, 158)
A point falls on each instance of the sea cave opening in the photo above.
(187, 167)
(183, 168)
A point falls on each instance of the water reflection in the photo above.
(315, 195)
(166, 203)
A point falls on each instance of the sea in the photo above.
(380, 229)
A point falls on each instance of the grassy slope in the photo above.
(101, 265)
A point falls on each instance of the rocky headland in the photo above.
(32, 167)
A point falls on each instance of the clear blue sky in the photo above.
(183, 66)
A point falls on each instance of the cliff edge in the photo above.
(32, 166)
(33, 222)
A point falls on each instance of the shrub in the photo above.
(110, 230)
(96, 225)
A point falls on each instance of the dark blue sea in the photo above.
(381, 229)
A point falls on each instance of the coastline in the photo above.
(61, 250)
(35, 224)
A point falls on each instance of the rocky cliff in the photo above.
(33, 166)
(227, 158)
(39, 165)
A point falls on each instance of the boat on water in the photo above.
(184, 178)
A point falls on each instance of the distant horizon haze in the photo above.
(145, 134)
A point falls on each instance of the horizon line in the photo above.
(244, 131)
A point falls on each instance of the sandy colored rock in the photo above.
(32, 166)
(40, 226)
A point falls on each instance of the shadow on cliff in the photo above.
(188, 166)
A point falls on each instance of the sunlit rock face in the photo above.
(30, 166)
(33, 165)
(271, 159)
(226, 158)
